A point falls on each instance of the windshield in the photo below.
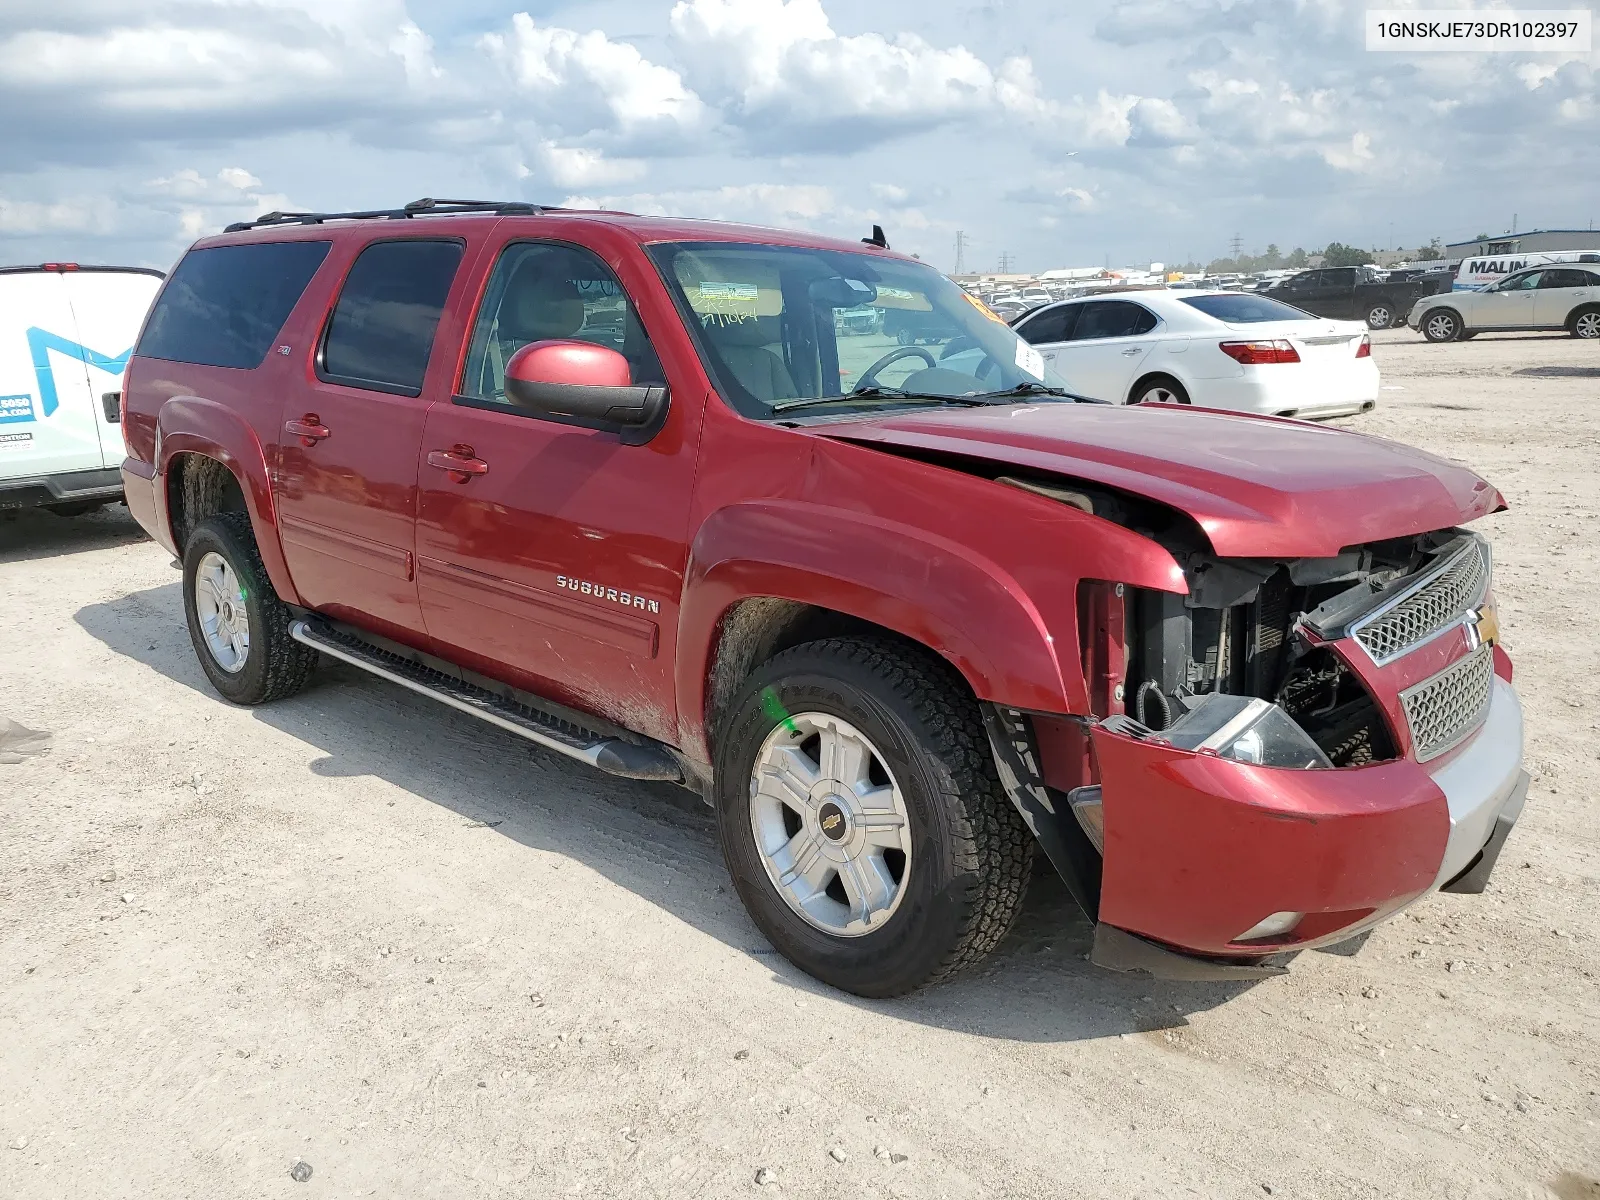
(1243, 308)
(782, 328)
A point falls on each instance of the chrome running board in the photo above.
(609, 754)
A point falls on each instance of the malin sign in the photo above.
(1568, 31)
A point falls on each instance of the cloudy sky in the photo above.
(1061, 132)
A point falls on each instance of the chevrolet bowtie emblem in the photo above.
(830, 822)
(1482, 626)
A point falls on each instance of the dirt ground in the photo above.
(361, 931)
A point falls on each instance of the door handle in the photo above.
(309, 429)
(459, 461)
(1132, 350)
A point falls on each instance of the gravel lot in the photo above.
(366, 933)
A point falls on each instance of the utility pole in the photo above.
(961, 257)
(1236, 245)
(1005, 262)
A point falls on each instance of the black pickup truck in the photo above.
(1357, 293)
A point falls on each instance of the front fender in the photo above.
(933, 591)
(194, 425)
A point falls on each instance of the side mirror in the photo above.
(590, 383)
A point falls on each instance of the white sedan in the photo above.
(1231, 350)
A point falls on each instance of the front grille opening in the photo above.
(1329, 702)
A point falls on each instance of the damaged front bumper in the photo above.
(1201, 852)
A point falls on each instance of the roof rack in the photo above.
(427, 206)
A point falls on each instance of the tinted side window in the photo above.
(1052, 325)
(542, 292)
(1112, 318)
(224, 306)
(1339, 277)
(1568, 279)
(381, 332)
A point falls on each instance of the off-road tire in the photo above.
(1585, 323)
(1147, 389)
(971, 853)
(1380, 315)
(276, 665)
(1441, 325)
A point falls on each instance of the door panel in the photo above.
(558, 566)
(1111, 341)
(1511, 306)
(347, 466)
(1560, 291)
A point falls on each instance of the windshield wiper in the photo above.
(1024, 390)
(872, 393)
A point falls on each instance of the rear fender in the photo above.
(193, 425)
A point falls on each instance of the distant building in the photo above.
(1523, 243)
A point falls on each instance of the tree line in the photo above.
(1336, 254)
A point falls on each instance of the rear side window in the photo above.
(1052, 325)
(1112, 318)
(381, 331)
(224, 306)
(1244, 309)
(1568, 279)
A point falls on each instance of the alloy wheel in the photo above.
(224, 620)
(1588, 325)
(1441, 328)
(830, 824)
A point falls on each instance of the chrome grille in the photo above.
(1444, 710)
(1438, 602)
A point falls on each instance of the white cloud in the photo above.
(584, 81)
(582, 167)
(780, 63)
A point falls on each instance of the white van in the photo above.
(1479, 272)
(66, 332)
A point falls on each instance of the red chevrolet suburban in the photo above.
(626, 487)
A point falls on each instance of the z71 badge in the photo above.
(628, 599)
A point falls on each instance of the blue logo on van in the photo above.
(42, 341)
(15, 408)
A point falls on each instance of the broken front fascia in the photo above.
(1233, 833)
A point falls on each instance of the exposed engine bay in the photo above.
(1241, 632)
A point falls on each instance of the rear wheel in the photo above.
(1585, 324)
(1441, 325)
(239, 627)
(1380, 315)
(862, 819)
(1159, 389)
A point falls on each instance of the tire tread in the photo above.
(992, 847)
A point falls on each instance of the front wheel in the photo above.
(862, 819)
(1441, 326)
(239, 627)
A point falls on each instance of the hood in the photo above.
(1260, 487)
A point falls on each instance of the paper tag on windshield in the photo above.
(1030, 360)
